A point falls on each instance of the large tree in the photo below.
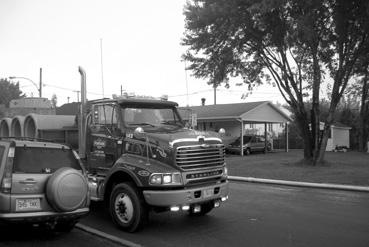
(9, 91)
(294, 44)
(360, 90)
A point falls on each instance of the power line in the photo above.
(203, 91)
(70, 89)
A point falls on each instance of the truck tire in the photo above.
(66, 189)
(127, 207)
(205, 209)
(247, 151)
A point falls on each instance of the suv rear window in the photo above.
(41, 160)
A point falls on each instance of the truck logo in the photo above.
(99, 143)
(143, 173)
(204, 145)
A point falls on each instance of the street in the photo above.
(27, 236)
(255, 215)
(259, 215)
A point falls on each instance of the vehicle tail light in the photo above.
(6, 183)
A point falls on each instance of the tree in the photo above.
(360, 89)
(293, 44)
(9, 91)
(54, 101)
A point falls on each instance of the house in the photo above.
(256, 118)
(339, 136)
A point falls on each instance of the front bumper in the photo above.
(196, 195)
(44, 216)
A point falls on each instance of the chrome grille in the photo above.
(200, 156)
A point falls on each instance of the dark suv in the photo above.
(250, 144)
(41, 182)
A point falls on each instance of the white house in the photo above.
(338, 136)
(239, 119)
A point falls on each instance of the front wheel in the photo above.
(127, 207)
(247, 151)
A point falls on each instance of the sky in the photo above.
(130, 44)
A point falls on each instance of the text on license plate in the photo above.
(208, 193)
(27, 204)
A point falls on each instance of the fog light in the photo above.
(197, 209)
(174, 209)
(185, 207)
(216, 204)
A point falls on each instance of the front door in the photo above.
(104, 137)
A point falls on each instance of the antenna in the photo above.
(102, 68)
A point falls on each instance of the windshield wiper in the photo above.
(171, 123)
(145, 124)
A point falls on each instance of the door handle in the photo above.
(28, 181)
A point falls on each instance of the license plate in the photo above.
(208, 193)
(27, 204)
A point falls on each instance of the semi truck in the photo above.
(141, 158)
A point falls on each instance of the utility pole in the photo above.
(186, 82)
(68, 99)
(40, 87)
(121, 90)
(77, 95)
(215, 94)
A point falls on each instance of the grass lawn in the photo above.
(350, 168)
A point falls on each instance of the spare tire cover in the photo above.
(66, 189)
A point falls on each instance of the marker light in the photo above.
(174, 209)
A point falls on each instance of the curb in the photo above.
(109, 237)
(300, 184)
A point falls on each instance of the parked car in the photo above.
(42, 183)
(250, 144)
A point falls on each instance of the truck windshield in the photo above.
(153, 117)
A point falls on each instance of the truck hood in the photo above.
(183, 134)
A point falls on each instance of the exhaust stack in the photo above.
(82, 116)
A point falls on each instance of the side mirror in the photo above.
(139, 132)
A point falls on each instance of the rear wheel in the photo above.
(247, 151)
(127, 207)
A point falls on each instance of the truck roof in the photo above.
(137, 101)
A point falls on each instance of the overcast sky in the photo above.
(140, 50)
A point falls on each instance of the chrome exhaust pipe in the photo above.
(82, 116)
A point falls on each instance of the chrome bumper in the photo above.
(196, 195)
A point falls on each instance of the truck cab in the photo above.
(142, 158)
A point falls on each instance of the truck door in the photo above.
(104, 136)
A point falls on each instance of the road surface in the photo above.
(258, 215)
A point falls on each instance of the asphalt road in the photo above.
(28, 236)
(255, 215)
(258, 215)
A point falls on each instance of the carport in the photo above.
(234, 117)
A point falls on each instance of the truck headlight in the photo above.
(156, 179)
(165, 179)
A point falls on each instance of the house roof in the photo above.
(340, 125)
(252, 111)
